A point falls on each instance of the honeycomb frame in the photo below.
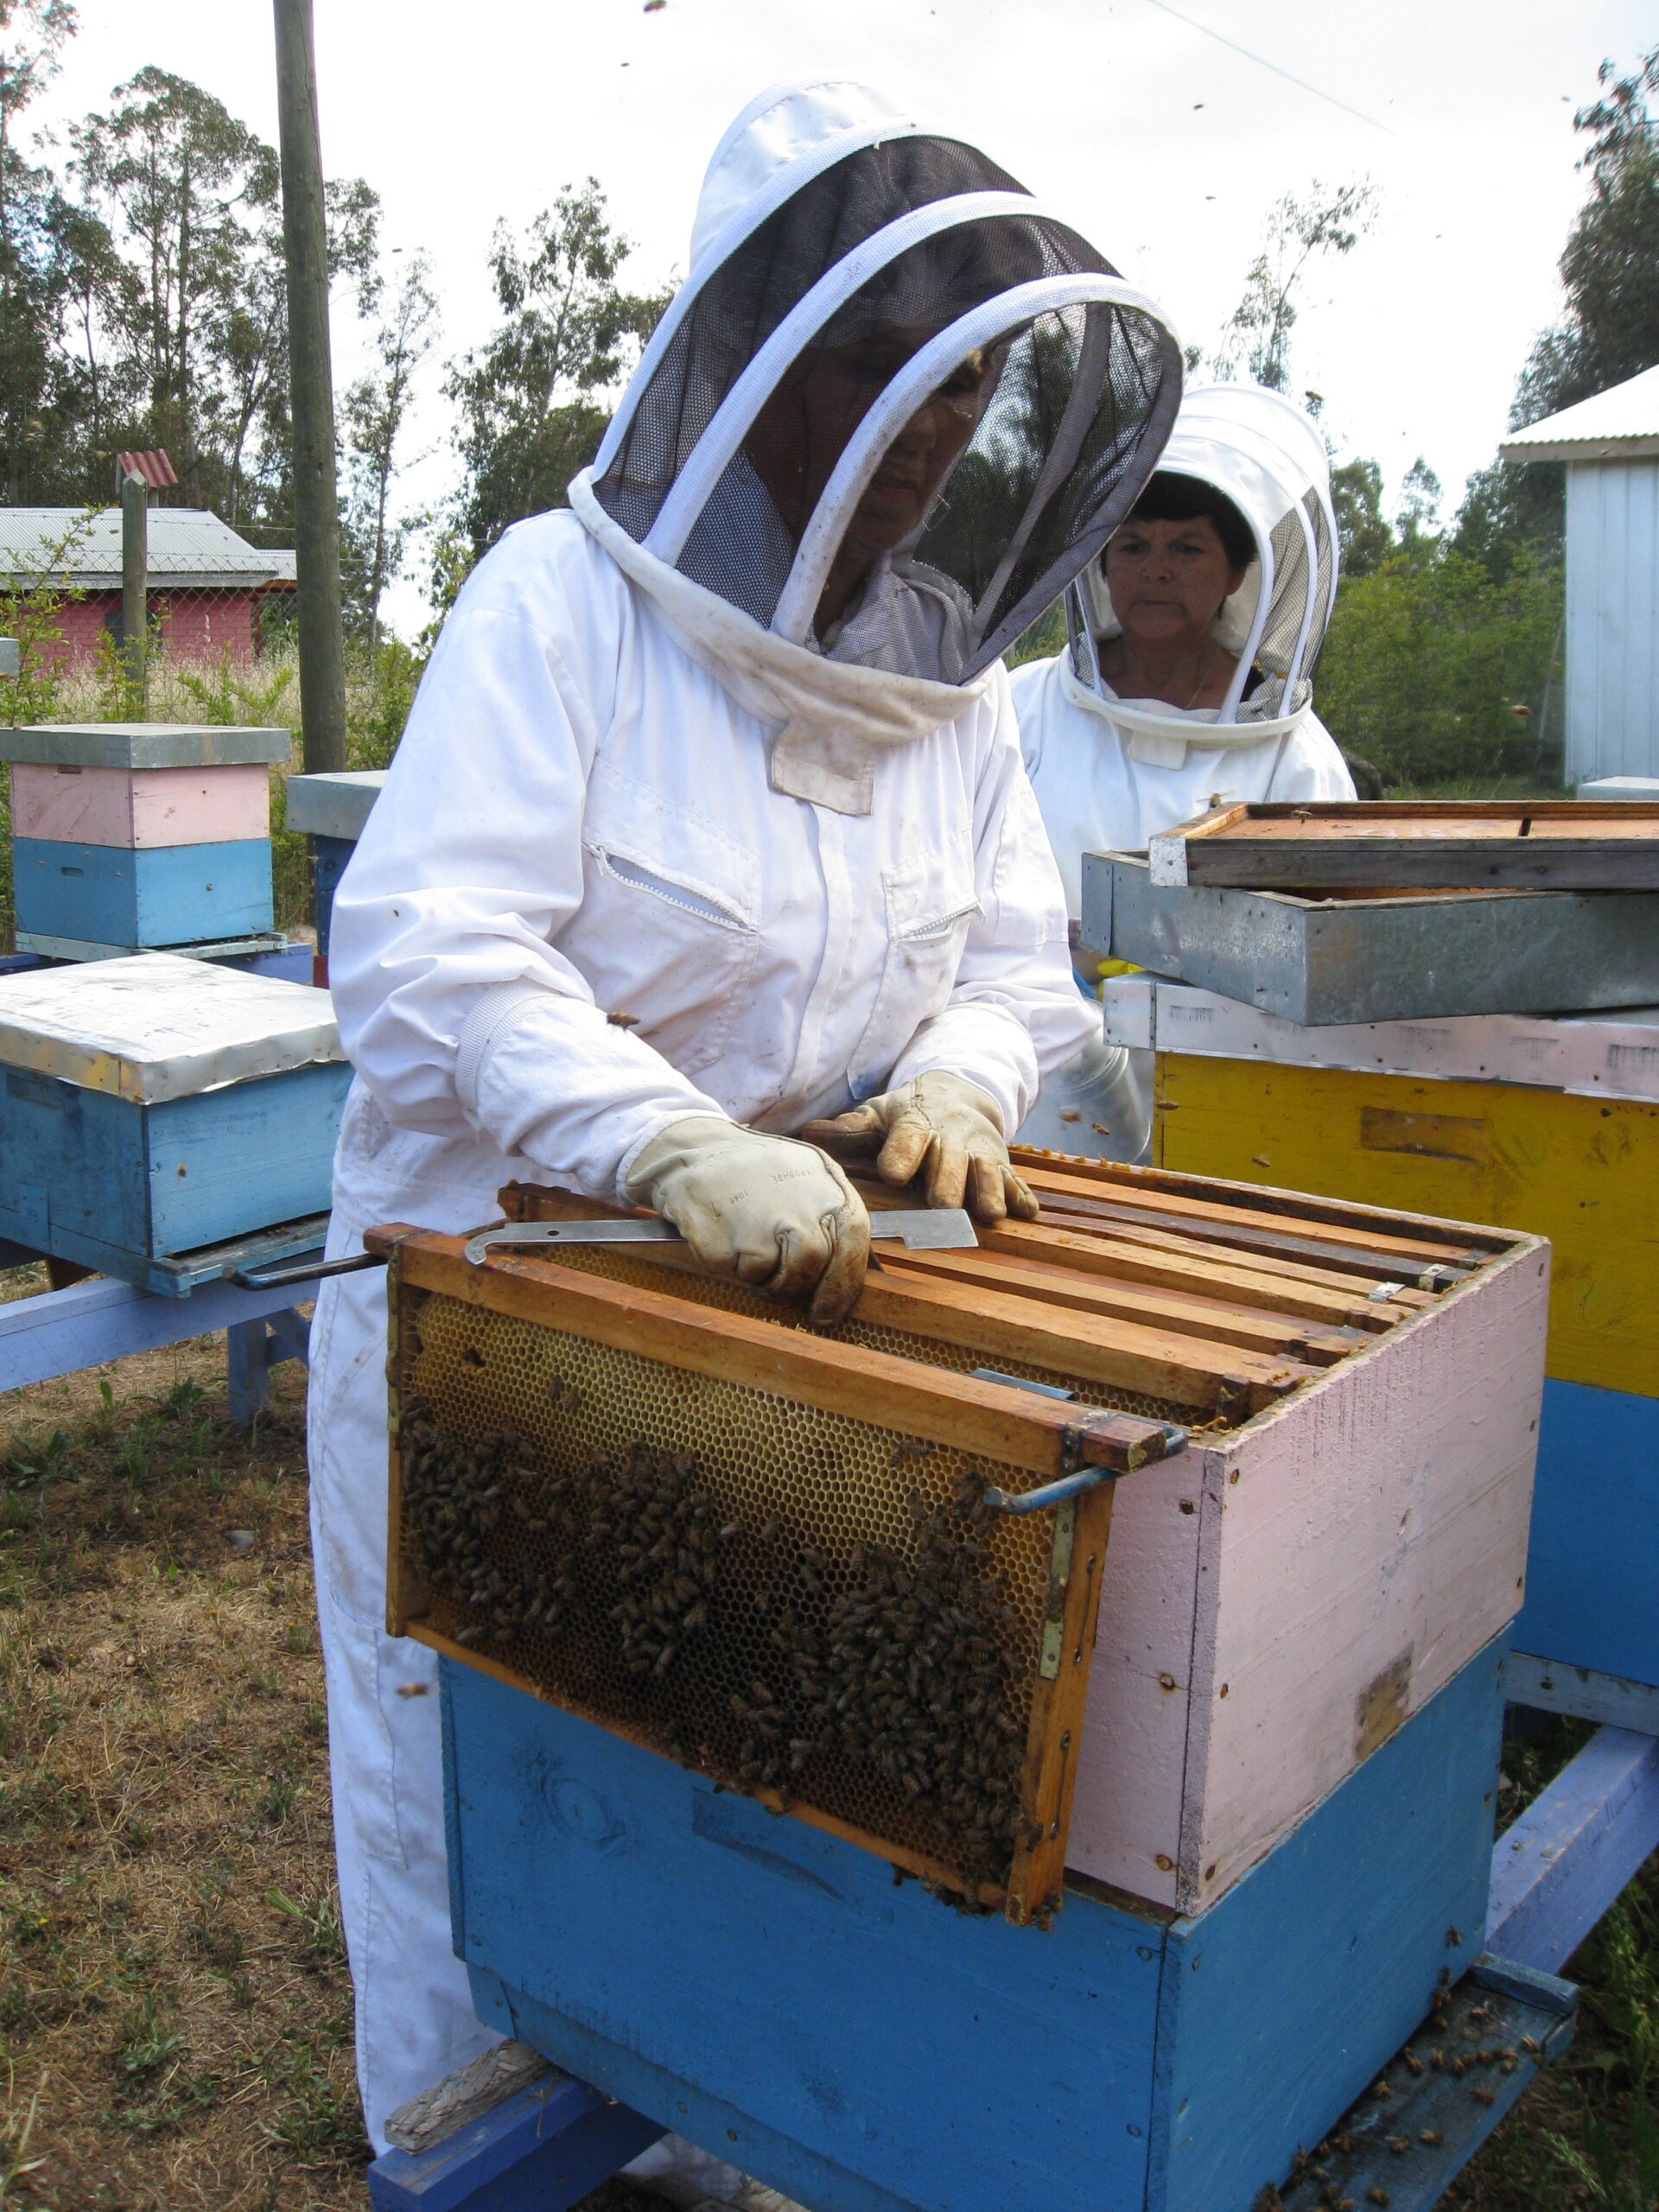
(939, 1652)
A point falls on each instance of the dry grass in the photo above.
(175, 2011)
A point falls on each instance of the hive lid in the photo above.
(141, 745)
(333, 805)
(156, 1027)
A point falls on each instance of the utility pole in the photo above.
(135, 590)
(316, 510)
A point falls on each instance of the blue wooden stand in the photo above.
(62, 1331)
(542, 2150)
(769, 1991)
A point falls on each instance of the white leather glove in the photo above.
(941, 1123)
(772, 1211)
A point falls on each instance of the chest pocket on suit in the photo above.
(663, 941)
(930, 910)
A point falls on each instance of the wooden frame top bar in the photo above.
(1549, 844)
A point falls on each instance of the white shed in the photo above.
(1610, 446)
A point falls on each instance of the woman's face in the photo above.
(801, 432)
(1168, 579)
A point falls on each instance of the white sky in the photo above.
(1161, 145)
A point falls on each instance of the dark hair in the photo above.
(1170, 498)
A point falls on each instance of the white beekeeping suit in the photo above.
(1109, 773)
(664, 849)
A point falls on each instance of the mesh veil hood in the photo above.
(854, 274)
(1268, 458)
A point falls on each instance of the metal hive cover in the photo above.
(334, 804)
(141, 745)
(156, 1027)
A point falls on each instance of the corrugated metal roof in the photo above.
(1622, 424)
(187, 545)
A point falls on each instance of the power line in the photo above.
(1221, 39)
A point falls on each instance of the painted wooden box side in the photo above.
(168, 894)
(767, 1991)
(1583, 1171)
(1126, 1811)
(725, 1968)
(140, 807)
(1594, 1564)
(330, 858)
(88, 1174)
(1375, 1539)
(246, 1157)
(1279, 2007)
(1245, 1624)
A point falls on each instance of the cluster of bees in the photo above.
(656, 1535)
(664, 1534)
(886, 1672)
(456, 1496)
(905, 1672)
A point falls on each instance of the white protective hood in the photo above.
(1268, 458)
(832, 220)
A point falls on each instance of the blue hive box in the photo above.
(170, 894)
(778, 1996)
(152, 1106)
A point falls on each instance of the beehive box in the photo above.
(133, 835)
(1338, 957)
(332, 810)
(1344, 1528)
(155, 1105)
(1552, 1125)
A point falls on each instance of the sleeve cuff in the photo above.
(492, 1017)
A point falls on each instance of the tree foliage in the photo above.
(1610, 328)
(142, 288)
(1363, 536)
(1434, 668)
(373, 418)
(1327, 220)
(532, 397)
(1610, 266)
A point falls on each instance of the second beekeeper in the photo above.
(710, 824)
(1186, 683)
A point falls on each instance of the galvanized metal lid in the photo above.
(156, 1026)
(335, 804)
(141, 745)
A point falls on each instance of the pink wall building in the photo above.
(209, 589)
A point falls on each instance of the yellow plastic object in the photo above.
(1583, 1171)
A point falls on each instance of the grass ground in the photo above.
(175, 2011)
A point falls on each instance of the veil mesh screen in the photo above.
(1062, 413)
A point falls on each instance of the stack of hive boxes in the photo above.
(1284, 1769)
(129, 837)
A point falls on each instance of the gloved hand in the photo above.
(942, 1123)
(771, 1210)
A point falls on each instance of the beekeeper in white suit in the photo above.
(1186, 683)
(709, 825)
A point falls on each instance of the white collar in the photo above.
(1146, 724)
(833, 718)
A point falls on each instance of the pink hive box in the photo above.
(139, 808)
